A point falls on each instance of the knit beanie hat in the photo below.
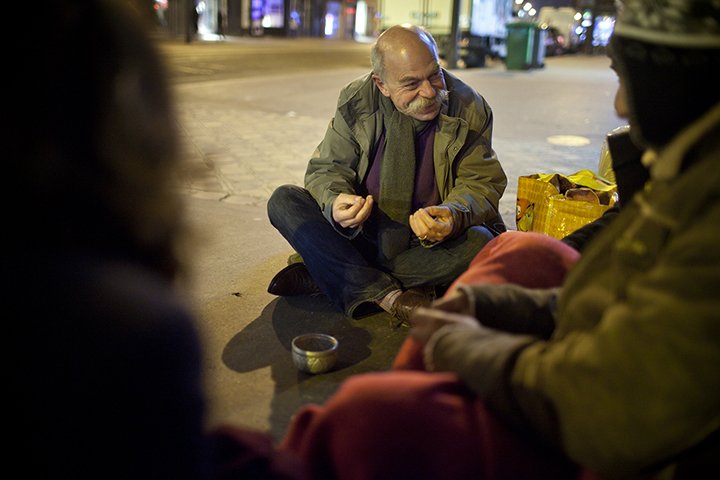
(668, 54)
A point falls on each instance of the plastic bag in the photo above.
(557, 205)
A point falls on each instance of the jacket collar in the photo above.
(666, 164)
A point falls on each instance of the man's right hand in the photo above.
(350, 211)
(455, 301)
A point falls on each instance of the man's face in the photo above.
(413, 81)
(621, 101)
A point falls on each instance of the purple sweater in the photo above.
(425, 192)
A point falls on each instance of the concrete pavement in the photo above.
(245, 137)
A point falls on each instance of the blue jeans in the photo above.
(347, 270)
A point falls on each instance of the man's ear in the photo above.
(380, 85)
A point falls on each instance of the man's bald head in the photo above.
(397, 43)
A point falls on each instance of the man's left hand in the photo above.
(432, 224)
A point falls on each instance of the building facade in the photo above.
(288, 18)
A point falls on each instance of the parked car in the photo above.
(471, 50)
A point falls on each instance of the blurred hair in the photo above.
(96, 135)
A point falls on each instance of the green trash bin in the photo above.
(525, 46)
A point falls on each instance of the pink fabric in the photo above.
(415, 425)
(409, 423)
(529, 259)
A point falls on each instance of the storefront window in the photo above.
(332, 18)
(273, 14)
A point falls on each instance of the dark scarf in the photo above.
(397, 180)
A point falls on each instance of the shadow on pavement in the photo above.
(365, 345)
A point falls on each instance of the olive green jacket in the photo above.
(629, 381)
(469, 177)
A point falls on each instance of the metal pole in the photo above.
(452, 54)
(186, 15)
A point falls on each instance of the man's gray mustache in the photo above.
(422, 103)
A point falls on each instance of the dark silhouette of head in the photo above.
(94, 139)
(667, 55)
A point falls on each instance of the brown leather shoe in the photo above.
(293, 280)
(406, 303)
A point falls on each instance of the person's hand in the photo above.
(426, 321)
(455, 301)
(432, 224)
(350, 211)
